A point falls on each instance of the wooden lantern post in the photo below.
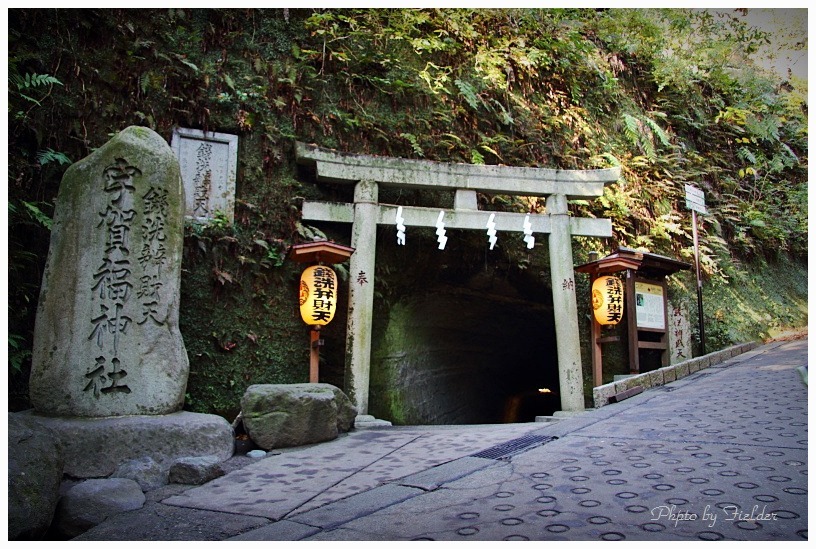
(318, 253)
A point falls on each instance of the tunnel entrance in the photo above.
(465, 356)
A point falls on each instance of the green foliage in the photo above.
(50, 155)
(760, 300)
(18, 354)
(26, 83)
(37, 214)
(670, 96)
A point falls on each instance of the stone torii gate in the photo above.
(367, 172)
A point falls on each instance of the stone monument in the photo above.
(208, 162)
(109, 367)
(106, 340)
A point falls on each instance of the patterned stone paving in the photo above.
(303, 480)
(722, 456)
(718, 455)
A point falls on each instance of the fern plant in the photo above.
(645, 134)
(47, 156)
(29, 81)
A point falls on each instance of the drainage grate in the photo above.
(513, 447)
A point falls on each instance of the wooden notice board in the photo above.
(645, 310)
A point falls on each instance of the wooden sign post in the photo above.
(695, 201)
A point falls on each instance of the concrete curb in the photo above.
(667, 374)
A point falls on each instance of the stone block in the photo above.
(97, 447)
(283, 530)
(601, 394)
(705, 361)
(145, 471)
(626, 384)
(282, 416)
(669, 374)
(365, 421)
(681, 370)
(208, 162)
(35, 463)
(644, 380)
(195, 470)
(679, 334)
(736, 350)
(444, 473)
(694, 365)
(89, 503)
(622, 385)
(345, 510)
(656, 378)
(718, 357)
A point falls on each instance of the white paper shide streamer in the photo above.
(528, 233)
(400, 227)
(491, 230)
(440, 231)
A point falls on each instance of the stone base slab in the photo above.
(364, 421)
(95, 447)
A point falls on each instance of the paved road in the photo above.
(721, 454)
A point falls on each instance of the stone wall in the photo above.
(661, 376)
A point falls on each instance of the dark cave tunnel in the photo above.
(467, 337)
(464, 356)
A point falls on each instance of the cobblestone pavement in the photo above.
(720, 454)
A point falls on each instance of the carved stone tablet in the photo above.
(679, 333)
(208, 166)
(106, 339)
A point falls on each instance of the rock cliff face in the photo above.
(464, 356)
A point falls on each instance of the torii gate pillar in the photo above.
(565, 306)
(361, 293)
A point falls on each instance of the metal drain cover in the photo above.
(510, 448)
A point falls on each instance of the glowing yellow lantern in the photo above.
(607, 299)
(318, 295)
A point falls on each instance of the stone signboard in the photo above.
(208, 163)
(679, 333)
(106, 339)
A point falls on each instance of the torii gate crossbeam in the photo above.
(366, 172)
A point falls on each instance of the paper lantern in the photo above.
(318, 295)
(607, 299)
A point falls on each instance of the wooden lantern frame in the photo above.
(639, 267)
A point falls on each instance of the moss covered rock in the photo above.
(281, 416)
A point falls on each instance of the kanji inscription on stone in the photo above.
(106, 339)
(208, 163)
